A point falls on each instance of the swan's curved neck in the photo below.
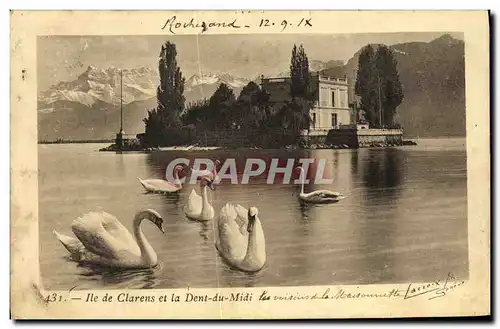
(204, 198)
(253, 245)
(147, 252)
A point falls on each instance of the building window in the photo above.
(344, 102)
(313, 121)
(333, 98)
(334, 120)
(323, 97)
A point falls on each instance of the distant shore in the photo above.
(89, 141)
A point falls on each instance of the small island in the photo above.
(311, 110)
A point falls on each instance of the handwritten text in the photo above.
(173, 24)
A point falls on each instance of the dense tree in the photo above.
(299, 73)
(223, 95)
(170, 92)
(249, 93)
(196, 113)
(391, 91)
(246, 112)
(296, 113)
(249, 119)
(365, 83)
(220, 106)
(163, 125)
(378, 85)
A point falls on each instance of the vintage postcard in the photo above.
(250, 164)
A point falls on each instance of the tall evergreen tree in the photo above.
(170, 92)
(378, 85)
(391, 91)
(299, 73)
(365, 83)
(163, 124)
(294, 72)
(304, 73)
(297, 112)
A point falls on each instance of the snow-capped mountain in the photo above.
(211, 79)
(97, 84)
(203, 85)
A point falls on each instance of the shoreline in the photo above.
(193, 148)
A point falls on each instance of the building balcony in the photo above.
(342, 81)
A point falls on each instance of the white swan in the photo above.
(198, 207)
(318, 196)
(103, 240)
(240, 238)
(162, 185)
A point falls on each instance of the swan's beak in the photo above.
(212, 186)
(159, 224)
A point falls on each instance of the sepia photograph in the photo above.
(386, 113)
(288, 159)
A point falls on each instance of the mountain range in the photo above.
(89, 107)
(432, 75)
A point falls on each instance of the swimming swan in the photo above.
(240, 238)
(103, 240)
(318, 196)
(162, 185)
(198, 207)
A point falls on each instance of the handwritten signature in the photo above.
(436, 289)
(172, 24)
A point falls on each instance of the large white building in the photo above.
(331, 110)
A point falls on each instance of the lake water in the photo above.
(404, 218)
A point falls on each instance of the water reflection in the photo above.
(204, 230)
(142, 278)
(355, 162)
(382, 168)
(382, 174)
(304, 208)
(172, 198)
(234, 277)
(120, 165)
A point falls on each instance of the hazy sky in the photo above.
(63, 58)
